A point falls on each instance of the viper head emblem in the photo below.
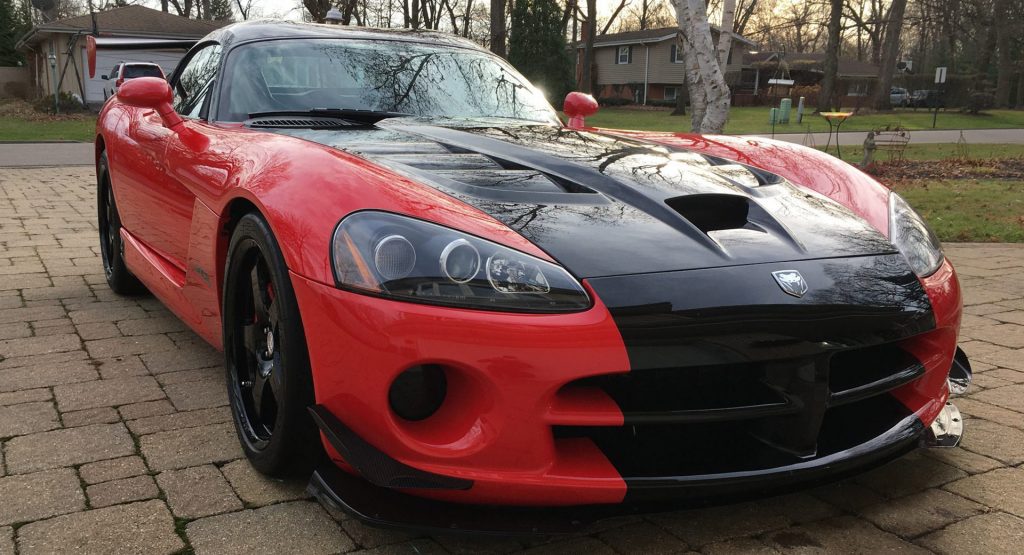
(791, 282)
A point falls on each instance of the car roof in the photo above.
(267, 29)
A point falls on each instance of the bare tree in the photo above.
(498, 27)
(588, 51)
(244, 8)
(317, 8)
(890, 51)
(831, 69)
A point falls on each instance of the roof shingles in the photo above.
(136, 20)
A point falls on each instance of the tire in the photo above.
(269, 379)
(119, 278)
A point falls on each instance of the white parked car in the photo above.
(129, 70)
(899, 96)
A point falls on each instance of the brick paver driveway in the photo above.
(116, 438)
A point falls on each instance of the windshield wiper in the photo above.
(350, 114)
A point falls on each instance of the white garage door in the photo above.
(107, 58)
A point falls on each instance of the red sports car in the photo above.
(437, 296)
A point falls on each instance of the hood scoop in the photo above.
(477, 175)
(712, 212)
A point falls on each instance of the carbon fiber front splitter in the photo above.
(391, 508)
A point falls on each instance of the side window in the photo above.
(194, 79)
(198, 103)
(113, 73)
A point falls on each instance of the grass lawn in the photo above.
(755, 120)
(983, 210)
(17, 129)
(19, 121)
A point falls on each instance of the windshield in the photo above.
(423, 80)
(131, 72)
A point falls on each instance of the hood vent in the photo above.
(712, 212)
(734, 170)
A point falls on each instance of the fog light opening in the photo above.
(418, 392)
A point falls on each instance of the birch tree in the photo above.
(700, 57)
(726, 32)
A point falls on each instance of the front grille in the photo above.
(745, 416)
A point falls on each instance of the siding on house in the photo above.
(662, 69)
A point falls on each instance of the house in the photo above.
(167, 36)
(647, 65)
(855, 79)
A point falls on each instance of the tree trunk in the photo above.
(589, 30)
(716, 92)
(1004, 65)
(498, 27)
(987, 47)
(691, 75)
(1020, 91)
(891, 49)
(828, 81)
(696, 77)
(163, 6)
(725, 33)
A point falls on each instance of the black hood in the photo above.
(605, 206)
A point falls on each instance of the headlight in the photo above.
(408, 259)
(913, 237)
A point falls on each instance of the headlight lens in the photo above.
(912, 236)
(408, 259)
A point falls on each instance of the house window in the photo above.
(858, 88)
(671, 93)
(676, 56)
(625, 55)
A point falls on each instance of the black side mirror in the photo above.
(104, 77)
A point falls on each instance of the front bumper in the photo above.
(536, 414)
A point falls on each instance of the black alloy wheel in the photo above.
(268, 373)
(119, 278)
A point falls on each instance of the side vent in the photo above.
(712, 212)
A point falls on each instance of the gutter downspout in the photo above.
(647, 67)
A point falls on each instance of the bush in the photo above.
(69, 103)
(662, 103)
(613, 101)
(979, 101)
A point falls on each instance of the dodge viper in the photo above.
(438, 299)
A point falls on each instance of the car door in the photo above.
(157, 207)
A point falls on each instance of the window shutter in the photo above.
(630, 57)
(672, 56)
